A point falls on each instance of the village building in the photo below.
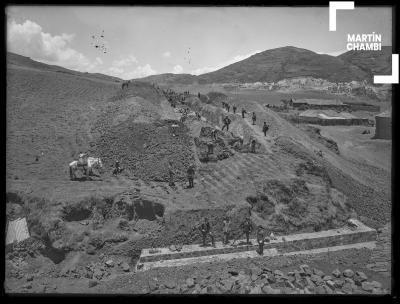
(383, 125)
(330, 117)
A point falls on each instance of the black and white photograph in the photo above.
(199, 150)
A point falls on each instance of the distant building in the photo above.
(330, 117)
(383, 126)
(362, 106)
(318, 104)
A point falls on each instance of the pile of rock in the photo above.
(265, 281)
(144, 149)
(101, 270)
(221, 149)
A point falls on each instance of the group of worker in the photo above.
(246, 227)
(190, 175)
(227, 107)
(174, 98)
(227, 121)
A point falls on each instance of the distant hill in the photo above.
(290, 62)
(286, 62)
(27, 63)
(371, 62)
(170, 78)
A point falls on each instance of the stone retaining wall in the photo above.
(292, 243)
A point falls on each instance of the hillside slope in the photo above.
(372, 62)
(18, 61)
(169, 78)
(285, 62)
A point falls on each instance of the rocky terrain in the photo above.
(336, 273)
(86, 235)
(373, 62)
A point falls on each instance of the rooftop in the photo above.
(318, 101)
(328, 114)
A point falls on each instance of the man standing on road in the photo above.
(205, 229)
(234, 109)
(253, 118)
(190, 174)
(265, 128)
(247, 228)
(243, 112)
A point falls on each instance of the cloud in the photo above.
(337, 53)
(125, 62)
(28, 39)
(166, 54)
(236, 58)
(177, 69)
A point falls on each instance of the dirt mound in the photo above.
(145, 149)
(315, 133)
(216, 98)
(138, 89)
(287, 145)
(220, 145)
(367, 202)
(363, 199)
(293, 206)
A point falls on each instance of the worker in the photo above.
(247, 228)
(117, 169)
(243, 112)
(234, 109)
(174, 128)
(253, 118)
(260, 240)
(226, 230)
(253, 146)
(83, 161)
(214, 134)
(205, 229)
(265, 128)
(198, 94)
(227, 122)
(190, 174)
(241, 140)
(171, 174)
(228, 107)
(210, 146)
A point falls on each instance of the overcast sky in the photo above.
(150, 40)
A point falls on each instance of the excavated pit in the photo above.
(77, 214)
(54, 254)
(148, 210)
